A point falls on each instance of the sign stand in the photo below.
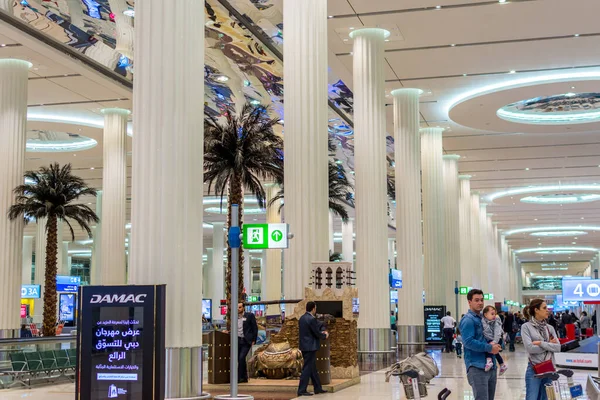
(234, 244)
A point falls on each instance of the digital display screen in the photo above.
(207, 308)
(23, 310)
(30, 291)
(355, 305)
(393, 296)
(581, 290)
(66, 307)
(67, 283)
(433, 321)
(121, 343)
(396, 278)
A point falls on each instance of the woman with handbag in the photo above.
(541, 342)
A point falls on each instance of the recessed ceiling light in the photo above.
(351, 28)
(438, 7)
(74, 155)
(452, 45)
(345, 40)
(572, 87)
(501, 1)
(92, 168)
(512, 71)
(331, 16)
(576, 35)
(582, 218)
(535, 219)
(387, 40)
(464, 74)
(526, 169)
(2, 45)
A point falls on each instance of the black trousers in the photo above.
(448, 335)
(309, 371)
(243, 349)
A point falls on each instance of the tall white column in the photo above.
(166, 221)
(27, 260)
(306, 160)
(348, 241)
(483, 245)
(409, 236)
(452, 227)
(64, 267)
(466, 275)
(371, 187)
(114, 188)
(128, 251)
(216, 280)
(96, 268)
(247, 273)
(331, 243)
(41, 238)
(475, 243)
(391, 252)
(433, 216)
(273, 262)
(13, 121)
(264, 282)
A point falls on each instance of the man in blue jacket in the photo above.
(476, 347)
(310, 335)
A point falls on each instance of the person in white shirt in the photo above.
(448, 325)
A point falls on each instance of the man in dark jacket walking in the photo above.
(310, 335)
(247, 333)
(509, 327)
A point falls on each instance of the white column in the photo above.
(264, 282)
(63, 249)
(13, 121)
(306, 160)
(206, 271)
(41, 238)
(452, 226)
(27, 260)
(273, 263)
(217, 269)
(483, 245)
(433, 216)
(409, 236)
(96, 268)
(348, 241)
(247, 273)
(465, 234)
(370, 183)
(331, 243)
(128, 251)
(475, 243)
(391, 252)
(114, 188)
(166, 221)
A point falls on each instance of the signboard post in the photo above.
(433, 323)
(121, 343)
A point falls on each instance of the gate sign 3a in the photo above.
(581, 289)
(265, 236)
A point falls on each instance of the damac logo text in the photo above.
(116, 298)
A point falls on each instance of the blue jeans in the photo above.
(483, 383)
(535, 387)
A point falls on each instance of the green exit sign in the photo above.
(486, 296)
(265, 236)
(463, 290)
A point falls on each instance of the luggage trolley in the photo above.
(558, 390)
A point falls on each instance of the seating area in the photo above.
(37, 366)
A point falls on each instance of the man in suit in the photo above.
(310, 335)
(247, 333)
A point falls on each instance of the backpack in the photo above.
(515, 326)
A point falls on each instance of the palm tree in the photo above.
(239, 154)
(50, 193)
(340, 189)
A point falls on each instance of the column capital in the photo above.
(451, 157)
(431, 130)
(465, 177)
(371, 32)
(115, 110)
(15, 62)
(407, 92)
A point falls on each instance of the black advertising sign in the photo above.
(433, 323)
(120, 343)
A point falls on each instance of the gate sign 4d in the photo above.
(581, 289)
(265, 236)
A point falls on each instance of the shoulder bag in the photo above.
(545, 366)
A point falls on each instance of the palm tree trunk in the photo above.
(236, 196)
(50, 300)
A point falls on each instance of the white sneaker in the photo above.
(503, 369)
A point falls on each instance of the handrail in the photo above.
(37, 340)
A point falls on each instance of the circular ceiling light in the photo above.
(567, 108)
(44, 141)
(219, 210)
(558, 233)
(555, 250)
(541, 189)
(560, 198)
(551, 228)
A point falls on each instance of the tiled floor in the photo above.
(511, 386)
